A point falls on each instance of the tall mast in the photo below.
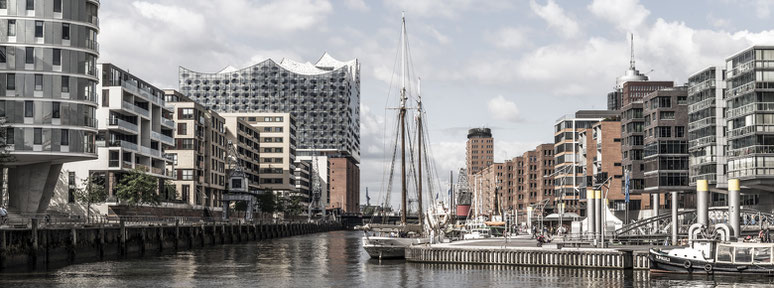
(631, 60)
(403, 119)
(419, 139)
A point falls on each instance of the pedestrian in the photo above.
(768, 236)
(3, 215)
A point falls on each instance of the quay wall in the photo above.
(44, 247)
(523, 256)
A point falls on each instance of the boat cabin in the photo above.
(744, 253)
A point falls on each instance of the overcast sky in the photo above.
(514, 66)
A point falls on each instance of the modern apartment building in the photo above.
(570, 166)
(707, 143)
(479, 150)
(485, 182)
(665, 151)
(533, 183)
(135, 131)
(48, 79)
(324, 99)
(303, 180)
(199, 154)
(244, 140)
(606, 157)
(278, 150)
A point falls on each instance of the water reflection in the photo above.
(337, 260)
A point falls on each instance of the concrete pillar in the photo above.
(702, 202)
(599, 209)
(675, 223)
(655, 202)
(734, 206)
(30, 187)
(590, 213)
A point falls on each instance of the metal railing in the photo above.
(123, 124)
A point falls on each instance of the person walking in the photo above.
(3, 215)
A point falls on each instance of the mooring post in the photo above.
(733, 206)
(675, 223)
(122, 238)
(702, 202)
(177, 233)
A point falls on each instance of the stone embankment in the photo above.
(41, 246)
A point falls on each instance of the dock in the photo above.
(525, 253)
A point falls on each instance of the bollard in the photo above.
(177, 233)
(702, 202)
(733, 206)
(675, 223)
(590, 214)
(599, 209)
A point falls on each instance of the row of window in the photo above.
(30, 5)
(10, 82)
(37, 138)
(11, 32)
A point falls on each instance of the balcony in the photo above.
(749, 109)
(123, 144)
(744, 131)
(168, 123)
(755, 149)
(701, 123)
(130, 86)
(122, 125)
(163, 138)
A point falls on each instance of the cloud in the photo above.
(717, 22)
(556, 18)
(508, 37)
(762, 8)
(358, 5)
(503, 109)
(438, 36)
(627, 15)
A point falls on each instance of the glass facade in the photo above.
(324, 98)
(48, 78)
(706, 137)
(665, 150)
(750, 113)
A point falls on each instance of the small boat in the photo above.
(385, 241)
(714, 256)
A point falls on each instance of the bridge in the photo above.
(658, 228)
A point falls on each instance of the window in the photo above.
(30, 4)
(65, 137)
(278, 150)
(663, 131)
(186, 191)
(58, 6)
(667, 115)
(10, 82)
(29, 109)
(65, 31)
(186, 113)
(38, 137)
(182, 128)
(11, 28)
(29, 55)
(9, 136)
(66, 84)
(57, 61)
(679, 131)
(187, 175)
(55, 110)
(682, 100)
(3, 4)
(38, 29)
(71, 187)
(2, 54)
(38, 82)
(186, 144)
(277, 129)
(277, 119)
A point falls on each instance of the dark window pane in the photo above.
(3, 4)
(29, 55)
(38, 28)
(38, 139)
(65, 137)
(2, 54)
(38, 82)
(55, 110)
(10, 83)
(28, 109)
(65, 31)
(58, 6)
(11, 27)
(57, 57)
(30, 4)
(66, 84)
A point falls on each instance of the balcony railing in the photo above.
(749, 108)
(162, 137)
(740, 90)
(168, 122)
(122, 124)
(701, 123)
(739, 132)
(123, 144)
(756, 149)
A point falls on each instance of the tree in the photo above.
(170, 191)
(92, 192)
(5, 155)
(292, 205)
(137, 188)
(268, 203)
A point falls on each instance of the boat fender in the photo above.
(687, 264)
(708, 268)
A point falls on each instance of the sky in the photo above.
(513, 66)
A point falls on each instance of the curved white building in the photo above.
(48, 78)
(323, 97)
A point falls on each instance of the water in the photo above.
(336, 259)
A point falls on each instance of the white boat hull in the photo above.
(389, 247)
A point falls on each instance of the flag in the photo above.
(626, 187)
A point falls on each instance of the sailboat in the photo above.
(384, 241)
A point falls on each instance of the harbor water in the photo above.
(336, 259)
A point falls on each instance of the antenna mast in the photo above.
(403, 98)
(631, 60)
